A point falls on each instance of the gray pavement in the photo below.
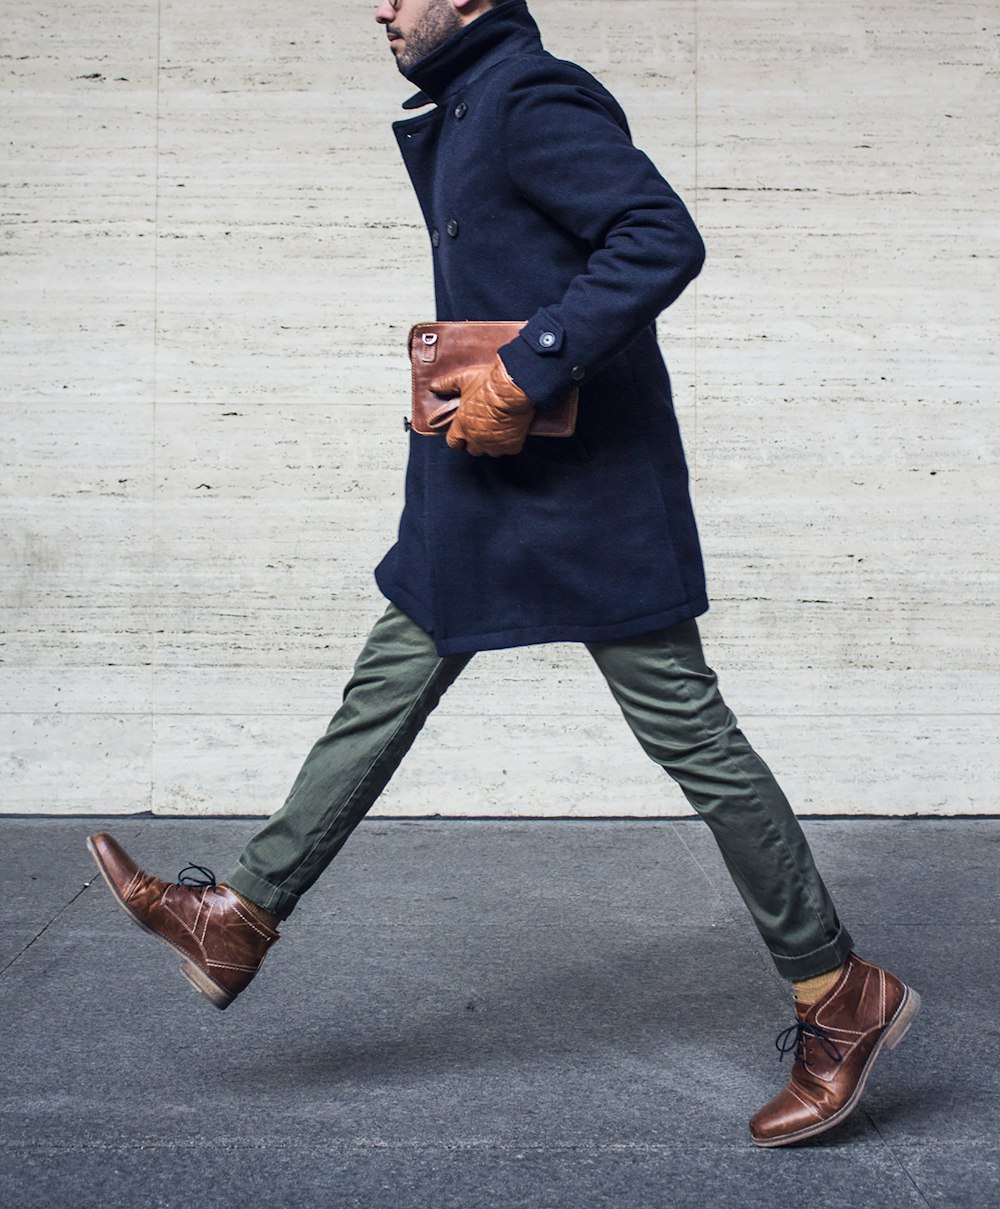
(467, 1013)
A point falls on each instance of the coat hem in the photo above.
(464, 644)
(412, 607)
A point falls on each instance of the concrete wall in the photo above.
(210, 257)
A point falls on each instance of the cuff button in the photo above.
(577, 373)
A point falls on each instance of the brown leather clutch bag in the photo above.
(438, 349)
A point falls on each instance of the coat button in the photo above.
(547, 339)
(577, 373)
(435, 237)
(461, 109)
(452, 227)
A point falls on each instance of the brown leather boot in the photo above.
(836, 1043)
(221, 940)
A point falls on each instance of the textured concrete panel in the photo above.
(211, 257)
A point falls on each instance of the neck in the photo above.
(491, 35)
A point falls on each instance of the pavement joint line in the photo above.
(38, 935)
(365, 1145)
(374, 1145)
(896, 1159)
(733, 920)
(64, 908)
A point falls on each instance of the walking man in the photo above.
(539, 208)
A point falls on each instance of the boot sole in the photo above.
(195, 975)
(894, 1032)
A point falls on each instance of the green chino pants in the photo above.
(670, 699)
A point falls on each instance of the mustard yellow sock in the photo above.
(257, 911)
(810, 989)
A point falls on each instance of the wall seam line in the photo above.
(156, 393)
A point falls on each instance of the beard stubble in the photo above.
(437, 24)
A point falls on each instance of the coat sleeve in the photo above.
(568, 153)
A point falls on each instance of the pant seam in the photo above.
(774, 830)
(713, 740)
(352, 796)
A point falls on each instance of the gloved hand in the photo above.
(493, 415)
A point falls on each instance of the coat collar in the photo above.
(499, 33)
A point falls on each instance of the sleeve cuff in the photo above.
(540, 363)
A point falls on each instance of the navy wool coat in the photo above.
(539, 207)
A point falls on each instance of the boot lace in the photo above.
(795, 1038)
(197, 877)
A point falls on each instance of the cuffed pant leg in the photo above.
(671, 700)
(398, 680)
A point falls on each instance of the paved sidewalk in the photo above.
(557, 1015)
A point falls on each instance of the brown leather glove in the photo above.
(493, 415)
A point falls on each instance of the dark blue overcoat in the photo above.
(539, 207)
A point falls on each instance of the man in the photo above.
(540, 208)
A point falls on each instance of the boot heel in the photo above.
(901, 1025)
(210, 989)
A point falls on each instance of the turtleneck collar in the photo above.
(498, 33)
